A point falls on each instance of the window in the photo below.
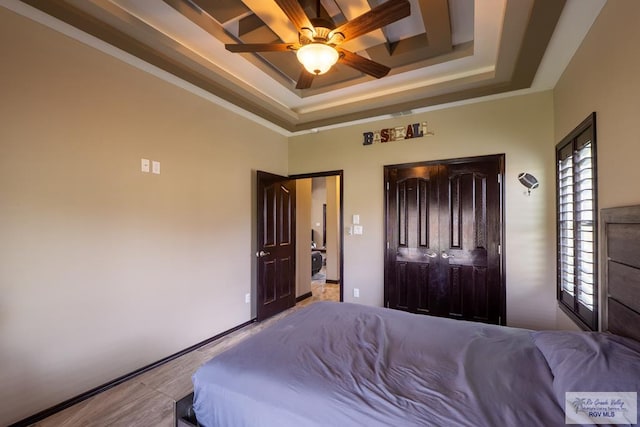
(577, 223)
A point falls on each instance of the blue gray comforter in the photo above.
(339, 364)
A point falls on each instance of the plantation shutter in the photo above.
(577, 221)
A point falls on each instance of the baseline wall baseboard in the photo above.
(304, 297)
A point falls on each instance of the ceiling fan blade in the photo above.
(385, 14)
(295, 13)
(305, 80)
(363, 64)
(261, 47)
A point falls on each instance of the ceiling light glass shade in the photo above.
(317, 58)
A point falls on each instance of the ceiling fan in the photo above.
(318, 39)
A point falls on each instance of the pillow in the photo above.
(590, 362)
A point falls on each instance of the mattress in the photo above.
(341, 364)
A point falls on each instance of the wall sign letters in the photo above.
(398, 133)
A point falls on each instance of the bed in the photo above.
(341, 364)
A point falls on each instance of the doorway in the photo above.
(289, 241)
(444, 228)
(319, 270)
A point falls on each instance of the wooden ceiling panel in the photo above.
(223, 10)
(434, 42)
(251, 29)
(136, 28)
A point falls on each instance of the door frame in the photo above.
(501, 170)
(340, 174)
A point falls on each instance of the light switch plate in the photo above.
(356, 219)
(155, 167)
(144, 165)
(357, 229)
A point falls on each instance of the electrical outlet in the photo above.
(247, 298)
(356, 292)
(144, 165)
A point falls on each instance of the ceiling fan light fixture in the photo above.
(317, 58)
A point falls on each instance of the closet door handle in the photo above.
(431, 254)
(262, 254)
(446, 255)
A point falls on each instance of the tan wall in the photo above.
(333, 228)
(303, 236)
(521, 127)
(603, 77)
(104, 269)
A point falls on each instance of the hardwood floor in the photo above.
(149, 399)
(325, 292)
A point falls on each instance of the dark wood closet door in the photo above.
(276, 244)
(412, 231)
(470, 225)
(443, 230)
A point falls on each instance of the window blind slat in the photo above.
(576, 216)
